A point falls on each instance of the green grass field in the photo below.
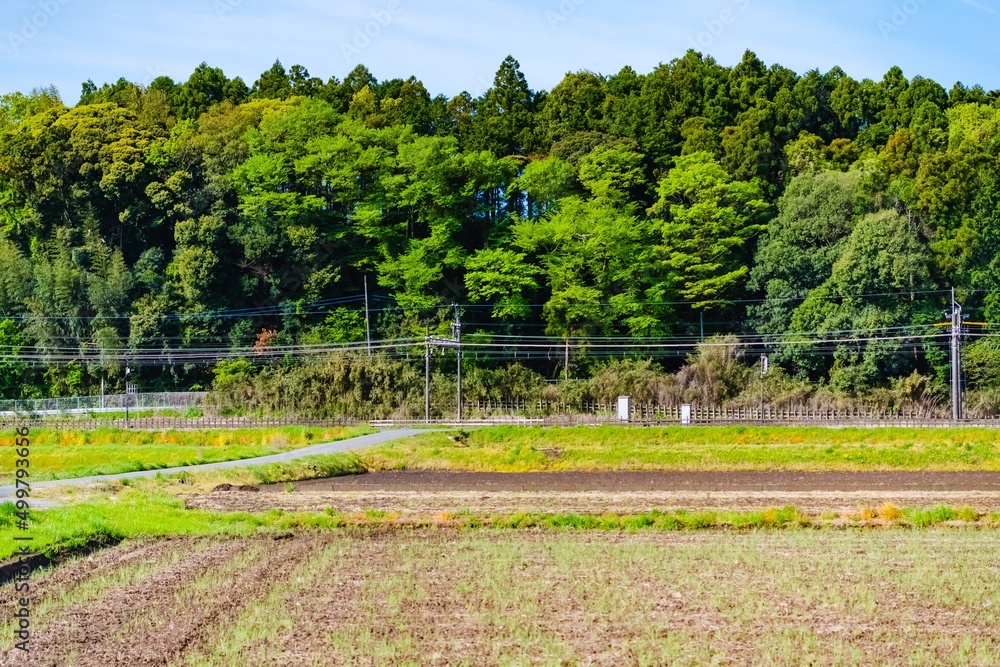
(516, 449)
(60, 454)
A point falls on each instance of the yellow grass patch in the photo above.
(890, 512)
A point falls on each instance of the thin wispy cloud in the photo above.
(979, 6)
(456, 44)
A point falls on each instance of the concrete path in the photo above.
(349, 445)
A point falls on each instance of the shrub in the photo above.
(356, 385)
(981, 363)
(644, 381)
(513, 383)
(715, 373)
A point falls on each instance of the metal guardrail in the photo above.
(174, 423)
(103, 404)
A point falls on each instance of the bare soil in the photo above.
(428, 492)
(594, 502)
(448, 597)
(420, 480)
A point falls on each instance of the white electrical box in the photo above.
(686, 415)
(624, 408)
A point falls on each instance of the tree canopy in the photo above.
(764, 202)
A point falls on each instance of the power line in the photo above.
(292, 307)
(549, 346)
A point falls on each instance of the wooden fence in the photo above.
(673, 412)
(531, 414)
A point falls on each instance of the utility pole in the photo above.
(764, 365)
(456, 333)
(567, 359)
(368, 322)
(427, 379)
(956, 358)
(434, 342)
(128, 393)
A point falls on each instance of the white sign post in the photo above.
(765, 365)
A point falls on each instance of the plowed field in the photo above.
(429, 492)
(450, 597)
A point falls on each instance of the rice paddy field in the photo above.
(445, 596)
(503, 546)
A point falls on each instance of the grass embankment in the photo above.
(323, 466)
(60, 454)
(135, 513)
(516, 449)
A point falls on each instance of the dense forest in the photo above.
(212, 217)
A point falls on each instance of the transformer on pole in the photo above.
(434, 342)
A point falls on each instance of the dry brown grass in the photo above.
(890, 512)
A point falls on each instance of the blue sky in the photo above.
(455, 45)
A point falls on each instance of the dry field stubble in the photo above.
(422, 505)
(450, 597)
(427, 493)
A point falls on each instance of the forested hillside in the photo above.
(212, 215)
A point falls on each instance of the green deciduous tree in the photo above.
(707, 225)
(503, 278)
(815, 217)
